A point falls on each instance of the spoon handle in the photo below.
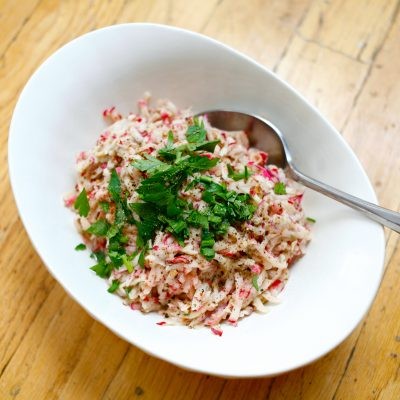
(386, 217)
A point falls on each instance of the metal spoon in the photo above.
(267, 137)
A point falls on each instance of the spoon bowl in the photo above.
(267, 137)
(261, 134)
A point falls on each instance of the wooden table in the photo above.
(344, 56)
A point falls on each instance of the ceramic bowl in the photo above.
(59, 114)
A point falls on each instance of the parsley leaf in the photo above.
(150, 164)
(198, 219)
(236, 176)
(196, 137)
(280, 188)
(207, 239)
(114, 286)
(102, 268)
(80, 247)
(254, 281)
(148, 224)
(200, 163)
(104, 206)
(207, 244)
(128, 290)
(312, 220)
(128, 264)
(114, 186)
(112, 231)
(196, 132)
(175, 226)
(207, 252)
(207, 146)
(142, 254)
(82, 204)
(170, 140)
(99, 228)
(120, 216)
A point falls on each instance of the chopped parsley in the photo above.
(82, 204)
(128, 290)
(80, 247)
(127, 262)
(226, 207)
(196, 132)
(254, 281)
(162, 208)
(237, 176)
(150, 164)
(312, 220)
(141, 256)
(280, 188)
(102, 268)
(99, 228)
(114, 286)
(104, 206)
(114, 186)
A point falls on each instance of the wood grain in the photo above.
(344, 56)
(355, 28)
(311, 69)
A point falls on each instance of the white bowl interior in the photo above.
(59, 114)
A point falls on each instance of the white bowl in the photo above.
(59, 114)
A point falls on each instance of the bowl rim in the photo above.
(239, 54)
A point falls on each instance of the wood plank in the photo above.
(8, 210)
(355, 28)
(56, 338)
(243, 389)
(260, 29)
(373, 128)
(12, 19)
(98, 361)
(25, 286)
(312, 69)
(373, 132)
(318, 380)
(191, 15)
(38, 358)
(328, 371)
(27, 282)
(375, 364)
(140, 373)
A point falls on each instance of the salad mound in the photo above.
(185, 219)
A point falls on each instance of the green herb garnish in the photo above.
(312, 220)
(104, 206)
(99, 228)
(280, 188)
(142, 255)
(196, 132)
(127, 262)
(102, 268)
(82, 204)
(236, 176)
(161, 208)
(254, 281)
(150, 164)
(114, 186)
(114, 286)
(80, 247)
